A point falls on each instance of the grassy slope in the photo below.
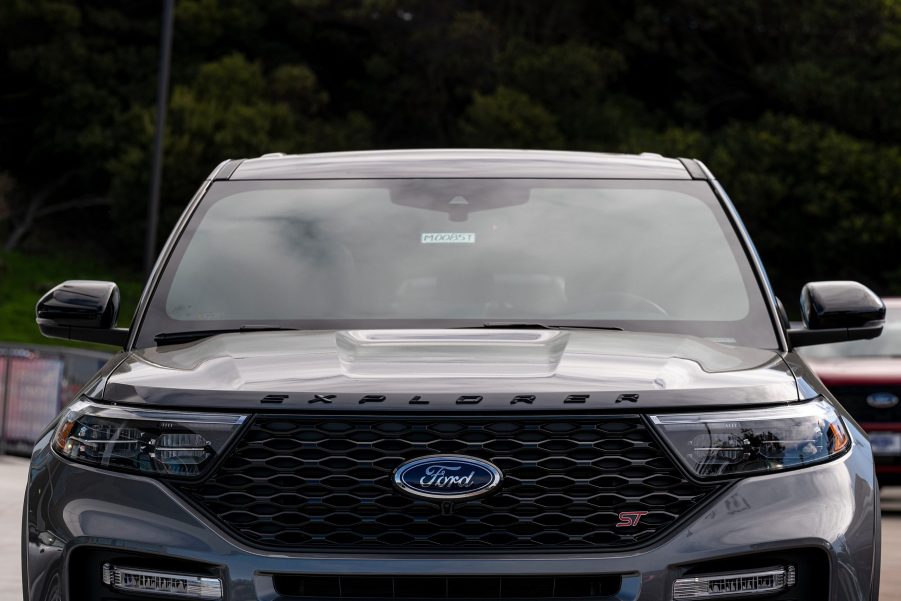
(24, 278)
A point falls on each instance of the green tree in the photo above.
(230, 109)
(791, 104)
(508, 119)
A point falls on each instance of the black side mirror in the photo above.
(82, 310)
(837, 312)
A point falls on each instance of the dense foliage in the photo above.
(792, 104)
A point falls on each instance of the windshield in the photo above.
(887, 345)
(655, 256)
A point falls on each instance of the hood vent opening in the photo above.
(450, 353)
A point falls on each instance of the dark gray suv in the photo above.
(461, 375)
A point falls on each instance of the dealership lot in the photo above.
(13, 473)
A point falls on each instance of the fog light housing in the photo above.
(735, 584)
(182, 586)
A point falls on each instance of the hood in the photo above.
(857, 371)
(428, 370)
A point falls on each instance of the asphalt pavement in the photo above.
(13, 472)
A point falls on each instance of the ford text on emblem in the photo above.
(447, 477)
(882, 400)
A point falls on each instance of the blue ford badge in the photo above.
(882, 400)
(447, 477)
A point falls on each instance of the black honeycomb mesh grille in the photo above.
(325, 482)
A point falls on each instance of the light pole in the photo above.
(162, 98)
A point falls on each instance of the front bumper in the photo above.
(832, 508)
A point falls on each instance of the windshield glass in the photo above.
(640, 255)
(887, 345)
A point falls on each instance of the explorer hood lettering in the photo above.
(594, 367)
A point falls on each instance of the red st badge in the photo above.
(630, 518)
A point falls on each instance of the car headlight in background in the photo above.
(152, 442)
(732, 443)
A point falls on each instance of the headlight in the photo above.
(732, 443)
(180, 444)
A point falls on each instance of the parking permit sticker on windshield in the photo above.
(448, 238)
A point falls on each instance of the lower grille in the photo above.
(295, 483)
(453, 587)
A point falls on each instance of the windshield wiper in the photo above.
(191, 335)
(537, 326)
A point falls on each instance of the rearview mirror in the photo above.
(82, 310)
(837, 312)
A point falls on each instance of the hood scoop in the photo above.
(481, 353)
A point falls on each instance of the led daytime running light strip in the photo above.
(739, 584)
(185, 586)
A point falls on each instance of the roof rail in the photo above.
(226, 169)
(694, 169)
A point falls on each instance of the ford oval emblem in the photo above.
(447, 477)
(882, 400)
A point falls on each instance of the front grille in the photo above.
(854, 399)
(294, 483)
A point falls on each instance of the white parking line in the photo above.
(890, 589)
(13, 475)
